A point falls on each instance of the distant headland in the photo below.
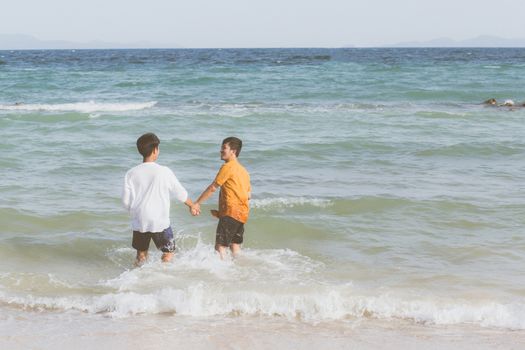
(29, 42)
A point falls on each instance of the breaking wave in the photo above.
(317, 304)
(268, 282)
(84, 107)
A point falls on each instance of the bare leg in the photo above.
(142, 255)
(236, 249)
(166, 257)
(221, 250)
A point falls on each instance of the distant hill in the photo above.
(28, 42)
(480, 41)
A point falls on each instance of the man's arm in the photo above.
(205, 195)
(126, 195)
(189, 203)
(179, 192)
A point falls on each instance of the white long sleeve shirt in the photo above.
(148, 188)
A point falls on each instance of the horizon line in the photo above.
(264, 48)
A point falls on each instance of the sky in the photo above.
(262, 23)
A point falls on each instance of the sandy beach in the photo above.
(35, 330)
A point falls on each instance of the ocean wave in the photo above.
(425, 109)
(350, 205)
(84, 107)
(25, 281)
(268, 282)
(302, 59)
(442, 114)
(475, 150)
(22, 223)
(281, 202)
(265, 109)
(197, 258)
(292, 302)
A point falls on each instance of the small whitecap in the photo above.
(281, 202)
(83, 107)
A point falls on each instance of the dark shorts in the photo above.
(163, 240)
(229, 231)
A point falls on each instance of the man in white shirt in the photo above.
(148, 188)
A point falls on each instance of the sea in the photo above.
(387, 211)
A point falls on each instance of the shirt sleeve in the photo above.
(176, 189)
(126, 194)
(223, 175)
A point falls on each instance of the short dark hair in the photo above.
(147, 143)
(234, 143)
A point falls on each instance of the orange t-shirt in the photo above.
(234, 181)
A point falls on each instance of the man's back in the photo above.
(147, 189)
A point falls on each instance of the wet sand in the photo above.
(37, 330)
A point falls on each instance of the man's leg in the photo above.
(164, 241)
(221, 241)
(141, 244)
(142, 255)
(221, 250)
(237, 239)
(235, 249)
(166, 257)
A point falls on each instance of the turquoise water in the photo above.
(382, 188)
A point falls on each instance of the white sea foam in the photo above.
(198, 261)
(271, 282)
(305, 303)
(83, 107)
(270, 203)
(241, 110)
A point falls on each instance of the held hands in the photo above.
(195, 209)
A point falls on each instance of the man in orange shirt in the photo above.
(234, 181)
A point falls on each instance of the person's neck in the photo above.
(231, 159)
(149, 160)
